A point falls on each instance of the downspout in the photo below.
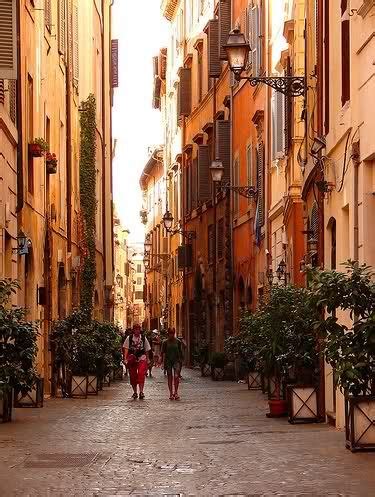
(20, 172)
(68, 144)
(111, 151)
(103, 141)
(356, 162)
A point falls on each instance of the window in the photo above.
(200, 77)
(278, 123)
(250, 166)
(332, 229)
(30, 131)
(345, 52)
(8, 47)
(47, 14)
(139, 281)
(139, 295)
(62, 27)
(220, 238)
(236, 181)
(139, 268)
(75, 45)
(211, 244)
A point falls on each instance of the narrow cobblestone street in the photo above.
(215, 441)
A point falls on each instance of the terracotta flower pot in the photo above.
(278, 408)
(35, 150)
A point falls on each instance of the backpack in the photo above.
(140, 352)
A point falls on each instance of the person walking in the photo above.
(172, 358)
(136, 357)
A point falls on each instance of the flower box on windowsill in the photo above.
(360, 422)
(33, 398)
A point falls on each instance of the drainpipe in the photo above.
(356, 162)
(68, 145)
(20, 173)
(111, 153)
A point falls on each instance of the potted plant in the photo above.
(51, 163)
(218, 363)
(286, 342)
(108, 349)
(18, 349)
(350, 348)
(63, 341)
(38, 147)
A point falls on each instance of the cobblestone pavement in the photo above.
(216, 441)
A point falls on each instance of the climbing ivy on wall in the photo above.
(87, 177)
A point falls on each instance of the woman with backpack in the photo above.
(136, 358)
(172, 358)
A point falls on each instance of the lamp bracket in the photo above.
(291, 86)
(245, 191)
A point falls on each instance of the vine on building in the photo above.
(87, 175)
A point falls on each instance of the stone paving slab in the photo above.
(215, 442)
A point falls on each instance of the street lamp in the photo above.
(168, 223)
(280, 271)
(217, 171)
(318, 145)
(238, 53)
(148, 244)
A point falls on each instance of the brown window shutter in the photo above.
(62, 27)
(211, 244)
(8, 44)
(260, 182)
(184, 92)
(194, 192)
(345, 62)
(204, 189)
(223, 146)
(214, 64)
(225, 10)
(2, 93)
(75, 44)
(220, 238)
(47, 14)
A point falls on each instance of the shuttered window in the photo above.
(194, 181)
(184, 92)
(225, 10)
(278, 125)
(211, 243)
(8, 39)
(255, 37)
(62, 27)
(345, 53)
(288, 110)
(204, 183)
(75, 43)
(47, 14)
(2, 93)
(223, 146)
(12, 100)
(250, 167)
(260, 183)
(236, 182)
(220, 238)
(214, 64)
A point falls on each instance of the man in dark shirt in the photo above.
(172, 357)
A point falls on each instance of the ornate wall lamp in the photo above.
(217, 171)
(168, 223)
(238, 54)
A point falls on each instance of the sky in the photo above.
(141, 31)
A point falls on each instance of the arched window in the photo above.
(332, 232)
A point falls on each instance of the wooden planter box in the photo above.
(106, 380)
(78, 386)
(360, 422)
(254, 381)
(303, 404)
(118, 374)
(205, 370)
(230, 372)
(217, 374)
(33, 398)
(92, 385)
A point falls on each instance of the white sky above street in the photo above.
(141, 31)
